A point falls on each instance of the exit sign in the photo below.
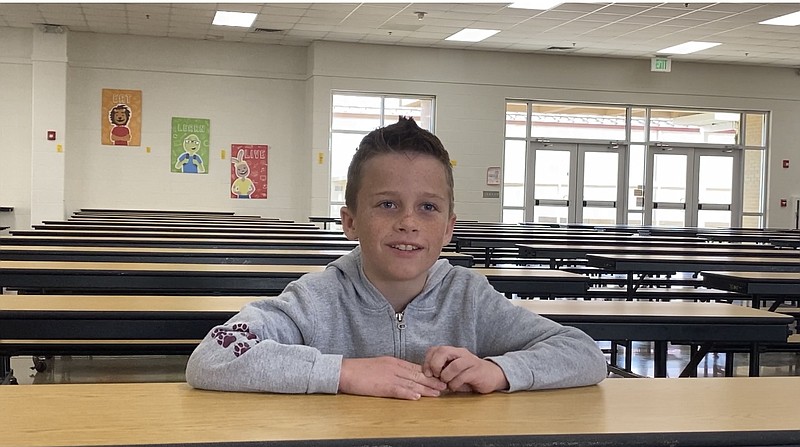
(661, 64)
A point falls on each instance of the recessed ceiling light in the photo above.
(792, 19)
(688, 47)
(473, 34)
(536, 4)
(230, 18)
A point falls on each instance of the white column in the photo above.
(49, 61)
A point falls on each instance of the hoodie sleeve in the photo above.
(534, 352)
(263, 349)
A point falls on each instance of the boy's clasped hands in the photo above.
(446, 368)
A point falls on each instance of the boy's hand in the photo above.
(463, 371)
(387, 377)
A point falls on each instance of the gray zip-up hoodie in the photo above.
(295, 343)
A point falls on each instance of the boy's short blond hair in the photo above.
(403, 136)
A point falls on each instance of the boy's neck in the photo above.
(401, 293)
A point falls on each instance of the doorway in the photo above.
(576, 183)
(692, 187)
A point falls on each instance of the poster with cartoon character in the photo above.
(121, 117)
(190, 145)
(249, 171)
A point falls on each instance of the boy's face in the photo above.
(402, 220)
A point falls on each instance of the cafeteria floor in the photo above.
(94, 369)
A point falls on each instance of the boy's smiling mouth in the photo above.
(405, 247)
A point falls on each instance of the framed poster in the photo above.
(121, 117)
(493, 175)
(190, 145)
(249, 171)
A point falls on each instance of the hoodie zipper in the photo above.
(400, 326)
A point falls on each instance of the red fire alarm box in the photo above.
(783, 203)
(51, 135)
(785, 163)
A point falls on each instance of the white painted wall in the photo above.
(262, 94)
(253, 94)
(15, 125)
(471, 88)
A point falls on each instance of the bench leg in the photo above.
(5, 365)
(729, 364)
(660, 359)
(755, 360)
(629, 355)
(6, 373)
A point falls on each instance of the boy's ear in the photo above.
(451, 224)
(348, 223)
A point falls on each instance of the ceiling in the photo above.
(630, 30)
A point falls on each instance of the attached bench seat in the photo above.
(42, 348)
(665, 293)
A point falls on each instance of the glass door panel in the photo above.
(669, 218)
(716, 180)
(550, 214)
(713, 218)
(599, 189)
(669, 188)
(714, 189)
(551, 189)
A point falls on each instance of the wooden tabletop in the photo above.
(97, 317)
(581, 250)
(229, 228)
(557, 309)
(245, 279)
(72, 266)
(789, 277)
(297, 242)
(144, 232)
(756, 284)
(191, 255)
(641, 310)
(674, 412)
(671, 263)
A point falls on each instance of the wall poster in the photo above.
(190, 145)
(121, 117)
(249, 171)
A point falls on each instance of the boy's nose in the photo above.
(408, 222)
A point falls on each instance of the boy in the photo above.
(391, 319)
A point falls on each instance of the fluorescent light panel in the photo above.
(536, 4)
(230, 18)
(792, 19)
(473, 34)
(688, 47)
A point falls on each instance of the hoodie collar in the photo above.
(351, 266)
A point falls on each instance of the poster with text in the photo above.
(190, 145)
(121, 117)
(249, 171)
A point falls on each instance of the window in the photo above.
(353, 115)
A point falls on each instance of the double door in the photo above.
(692, 187)
(576, 183)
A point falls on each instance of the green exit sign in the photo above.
(661, 64)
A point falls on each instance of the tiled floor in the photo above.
(82, 369)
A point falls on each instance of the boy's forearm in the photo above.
(266, 367)
(567, 359)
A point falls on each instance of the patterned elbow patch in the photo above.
(238, 336)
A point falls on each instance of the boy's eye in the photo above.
(387, 204)
(429, 207)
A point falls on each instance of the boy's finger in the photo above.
(436, 359)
